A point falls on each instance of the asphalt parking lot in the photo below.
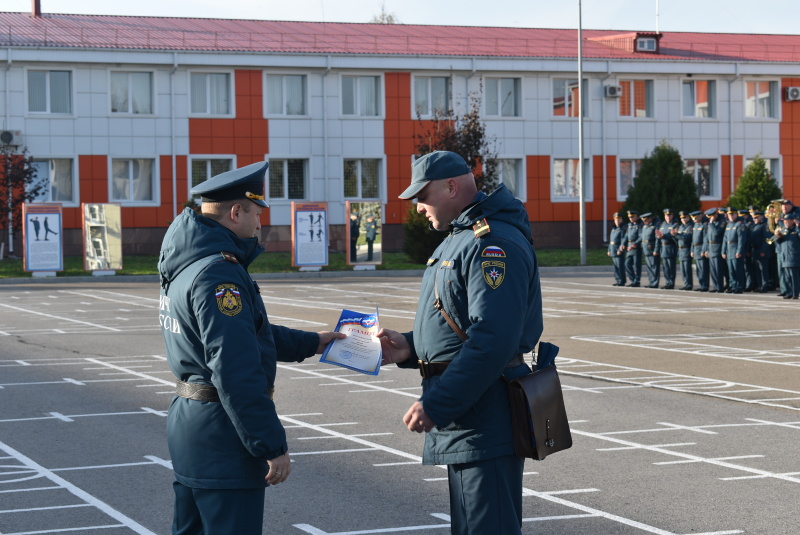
(684, 408)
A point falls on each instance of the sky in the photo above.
(724, 16)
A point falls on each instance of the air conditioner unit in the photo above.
(792, 93)
(614, 91)
(11, 137)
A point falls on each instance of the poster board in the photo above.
(43, 252)
(364, 230)
(102, 238)
(309, 234)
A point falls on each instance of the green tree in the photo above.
(18, 184)
(662, 182)
(755, 187)
(465, 135)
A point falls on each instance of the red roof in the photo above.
(226, 35)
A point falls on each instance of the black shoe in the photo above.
(668, 287)
(737, 291)
(795, 297)
(635, 285)
(728, 291)
(713, 291)
(698, 290)
(763, 291)
(781, 294)
(615, 284)
(653, 286)
(703, 289)
(787, 297)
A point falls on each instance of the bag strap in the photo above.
(437, 304)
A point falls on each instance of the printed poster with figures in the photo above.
(41, 235)
(309, 234)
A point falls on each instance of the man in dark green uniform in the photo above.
(698, 247)
(224, 436)
(761, 251)
(666, 234)
(633, 248)
(480, 310)
(651, 247)
(715, 235)
(616, 248)
(370, 233)
(734, 247)
(684, 240)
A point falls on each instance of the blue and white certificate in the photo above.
(361, 350)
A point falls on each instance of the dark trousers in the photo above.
(736, 273)
(669, 269)
(783, 279)
(792, 281)
(619, 269)
(653, 269)
(633, 265)
(217, 511)
(686, 272)
(486, 496)
(762, 272)
(369, 249)
(716, 265)
(701, 263)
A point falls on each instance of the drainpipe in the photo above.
(325, 125)
(730, 123)
(173, 141)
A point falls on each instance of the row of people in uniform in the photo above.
(733, 251)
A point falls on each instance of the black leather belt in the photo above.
(431, 369)
(201, 392)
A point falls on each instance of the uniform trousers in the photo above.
(653, 269)
(619, 268)
(716, 265)
(486, 496)
(633, 265)
(670, 269)
(762, 271)
(736, 273)
(217, 511)
(686, 272)
(701, 263)
(792, 281)
(783, 279)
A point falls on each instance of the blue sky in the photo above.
(726, 16)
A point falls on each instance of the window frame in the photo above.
(772, 162)
(283, 113)
(285, 198)
(381, 90)
(715, 179)
(155, 182)
(650, 99)
(231, 93)
(130, 113)
(588, 183)
(585, 100)
(381, 185)
(429, 113)
(774, 95)
(75, 200)
(520, 186)
(51, 114)
(518, 100)
(713, 100)
(637, 161)
(204, 157)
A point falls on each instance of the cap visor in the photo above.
(413, 190)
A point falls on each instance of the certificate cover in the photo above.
(361, 350)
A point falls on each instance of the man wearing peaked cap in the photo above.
(715, 233)
(633, 249)
(698, 251)
(761, 251)
(789, 241)
(684, 240)
(733, 251)
(651, 247)
(616, 248)
(224, 435)
(667, 235)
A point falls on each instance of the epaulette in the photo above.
(229, 257)
(481, 228)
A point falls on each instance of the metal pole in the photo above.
(582, 202)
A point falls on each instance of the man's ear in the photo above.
(235, 212)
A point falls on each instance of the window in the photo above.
(287, 179)
(361, 95)
(510, 173)
(132, 180)
(636, 99)
(503, 97)
(361, 179)
(431, 95)
(203, 169)
(773, 166)
(132, 92)
(761, 99)
(628, 169)
(58, 180)
(706, 177)
(565, 180)
(646, 44)
(699, 98)
(50, 92)
(286, 94)
(210, 93)
(565, 97)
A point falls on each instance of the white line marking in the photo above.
(51, 316)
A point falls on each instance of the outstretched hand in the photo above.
(325, 338)
(394, 346)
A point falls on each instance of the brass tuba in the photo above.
(778, 233)
(773, 215)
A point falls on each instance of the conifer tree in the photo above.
(756, 187)
(662, 182)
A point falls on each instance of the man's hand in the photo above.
(279, 469)
(325, 338)
(394, 345)
(416, 420)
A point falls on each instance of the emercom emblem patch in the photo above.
(229, 300)
(494, 271)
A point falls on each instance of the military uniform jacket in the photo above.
(634, 235)
(758, 241)
(790, 247)
(489, 285)
(216, 332)
(371, 230)
(715, 234)
(669, 243)
(617, 239)
(735, 239)
(699, 238)
(650, 244)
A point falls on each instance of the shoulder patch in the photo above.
(493, 251)
(448, 264)
(431, 261)
(229, 257)
(494, 272)
(229, 300)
